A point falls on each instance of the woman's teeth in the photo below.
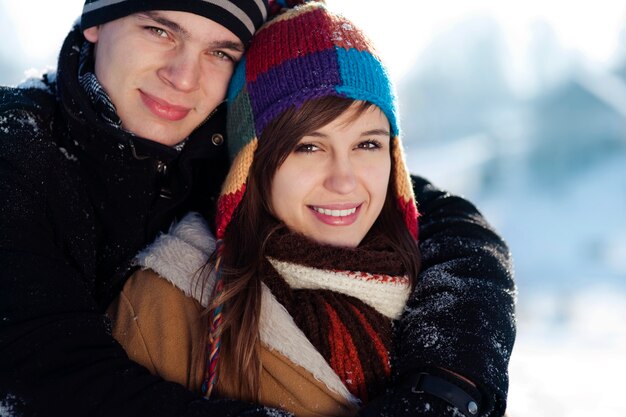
(335, 213)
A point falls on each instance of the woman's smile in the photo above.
(336, 216)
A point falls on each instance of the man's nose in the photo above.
(182, 71)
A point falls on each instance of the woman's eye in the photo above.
(370, 144)
(306, 148)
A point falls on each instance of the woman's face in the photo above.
(332, 187)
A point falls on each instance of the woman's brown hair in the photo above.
(244, 240)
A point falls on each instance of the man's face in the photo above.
(165, 71)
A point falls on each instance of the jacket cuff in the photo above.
(455, 391)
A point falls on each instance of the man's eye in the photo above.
(158, 31)
(223, 55)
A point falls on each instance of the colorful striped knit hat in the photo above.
(304, 53)
(242, 17)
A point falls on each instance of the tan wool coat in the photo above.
(164, 329)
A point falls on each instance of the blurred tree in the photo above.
(456, 84)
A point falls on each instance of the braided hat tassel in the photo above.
(215, 330)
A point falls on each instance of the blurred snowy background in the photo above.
(520, 107)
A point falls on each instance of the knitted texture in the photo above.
(242, 17)
(387, 294)
(304, 53)
(348, 322)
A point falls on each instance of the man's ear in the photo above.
(92, 33)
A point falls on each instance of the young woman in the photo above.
(316, 249)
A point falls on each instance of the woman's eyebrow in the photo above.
(381, 132)
(371, 132)
(317, 134)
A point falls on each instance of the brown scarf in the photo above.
(350, 331)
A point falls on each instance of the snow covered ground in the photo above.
(570, 356)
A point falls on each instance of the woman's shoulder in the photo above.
(180, 257)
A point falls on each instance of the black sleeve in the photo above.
(57, 356)
(460, 316)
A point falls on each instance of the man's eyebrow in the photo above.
(175, 27)
(171, 25)
(235, 46)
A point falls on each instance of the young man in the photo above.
(99, 157)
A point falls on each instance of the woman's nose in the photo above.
(341, 177)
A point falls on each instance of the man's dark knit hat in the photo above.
(242, 17)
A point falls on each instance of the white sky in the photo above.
(401, 29)
(41, 25)
(401, 32)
